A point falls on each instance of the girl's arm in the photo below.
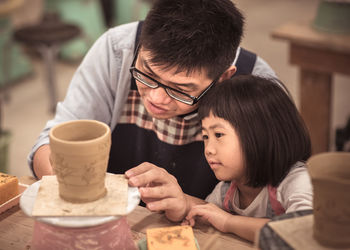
(245, 227)
(191, 201)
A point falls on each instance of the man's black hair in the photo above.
(193, 35)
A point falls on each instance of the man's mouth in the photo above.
(155, 109)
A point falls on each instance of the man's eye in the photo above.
(179, 89)
(138, 75)
(205, 137)
(218, 135)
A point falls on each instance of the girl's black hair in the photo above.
(272, 133)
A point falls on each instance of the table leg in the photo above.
(49, 53)
(315, 106)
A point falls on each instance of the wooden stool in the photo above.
(47, 37)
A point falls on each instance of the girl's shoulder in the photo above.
(298, 173)
(299, 168)
(218, 193)
(295, 191)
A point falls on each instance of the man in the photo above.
(184, 49)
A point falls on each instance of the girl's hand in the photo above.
(209, 213)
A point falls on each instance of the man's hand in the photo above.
(41, 162)
(159, 190)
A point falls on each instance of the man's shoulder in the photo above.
(262, 68)
(253, 64)
(123, 36)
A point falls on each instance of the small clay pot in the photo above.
(330, 175)
(79, 157)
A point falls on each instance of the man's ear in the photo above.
(228, 73)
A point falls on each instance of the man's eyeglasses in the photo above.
(173, 93)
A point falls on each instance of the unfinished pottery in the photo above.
(79, 157)
(330, 175)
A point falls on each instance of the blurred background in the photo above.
(27, 68)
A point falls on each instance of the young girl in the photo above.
(256, 143)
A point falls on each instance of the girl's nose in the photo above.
(209, 148)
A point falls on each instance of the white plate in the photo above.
(14, 201)
(28, 197)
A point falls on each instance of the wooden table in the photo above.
(318, 55)
(16, 230)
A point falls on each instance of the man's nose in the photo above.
(159, 95)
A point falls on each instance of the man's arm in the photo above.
(41, 162)
(97, 90)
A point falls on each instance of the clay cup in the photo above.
(330, 176)
(79, 157)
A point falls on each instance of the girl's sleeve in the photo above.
(295, 191)
(216, 196)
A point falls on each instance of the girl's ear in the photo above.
(228, 73)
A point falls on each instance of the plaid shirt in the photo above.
(175, 131)
(174, 144)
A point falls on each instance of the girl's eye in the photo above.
(218, 135)
(205, 137)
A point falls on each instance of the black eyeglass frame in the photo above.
(159, 84)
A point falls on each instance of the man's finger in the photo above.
(165, 204)
(143, 167)
(158, 192)
(153, 175)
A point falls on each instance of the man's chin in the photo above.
(162, 116)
